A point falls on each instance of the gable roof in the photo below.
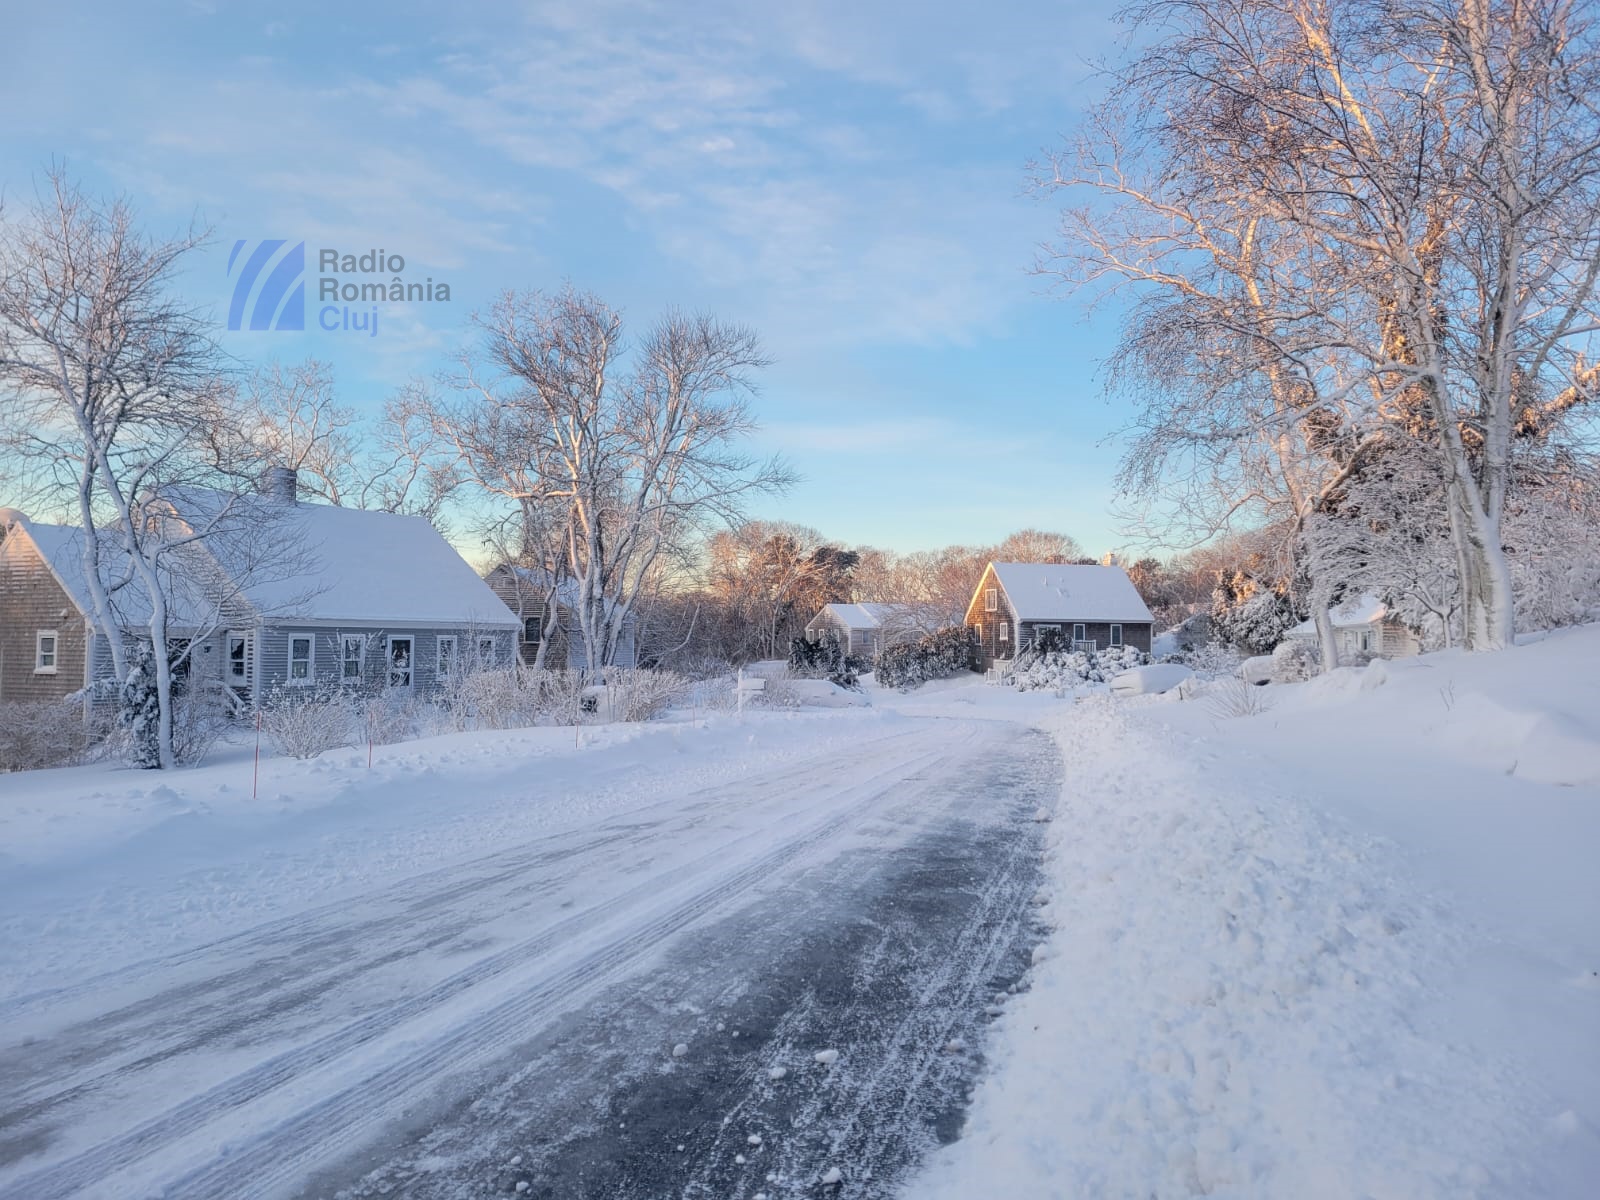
(61, 547)
(1356, 611)
(350, 564)
(859, 616)
(1069, 591)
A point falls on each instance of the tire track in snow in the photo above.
(269, 1160)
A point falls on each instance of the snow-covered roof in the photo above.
(1366, 609)
(348, 564)
(859, 616)
(61, 547)
(1062, 591)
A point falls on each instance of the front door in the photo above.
(401, 659)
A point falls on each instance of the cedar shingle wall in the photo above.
(31, 600)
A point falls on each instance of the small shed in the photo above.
(862, 628)
(1364, 626)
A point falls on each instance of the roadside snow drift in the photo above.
(1346, 947)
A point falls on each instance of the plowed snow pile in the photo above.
(1344, 947)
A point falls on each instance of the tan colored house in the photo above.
(45, 639)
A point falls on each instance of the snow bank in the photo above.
(1346, 947)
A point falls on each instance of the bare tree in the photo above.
(112, 385)
(640, 448)
(1380, 218)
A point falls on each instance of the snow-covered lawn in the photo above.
(103, 865)
(1345, 947)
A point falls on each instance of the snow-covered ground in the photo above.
(1347, 946)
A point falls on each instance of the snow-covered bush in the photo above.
(1057, 670)
(822, 659)
(384, 718)
(303, 722)
(199, 718)
(39, 734)
(1294, 660)
(638, 695)
(940, 655)
(139, 711)
(506, 698)
(1210, 660)
(1249, 614)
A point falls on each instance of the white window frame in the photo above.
(359, 641)
(1005, 631)
(1116, 635)
(411, 663)
(1080, 632)
(991, 600)
(978, 625)
(240, 638)
(310, 676)
(488, 651)
(443, 664)
(40, 667)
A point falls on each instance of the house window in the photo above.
(1078, 633)
(238, 666)
(486, 655)
(991, 600)
(300, 652)
(979, 627)
(447, 657)
(400, 649)
(1116, 635)
(400, 661)
(1366, 639)
(1005, 631)
(352, 657)
(45, 644)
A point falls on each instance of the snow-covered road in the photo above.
(512, 1018)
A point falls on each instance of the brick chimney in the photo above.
(281, 484)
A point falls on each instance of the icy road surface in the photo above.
(774, 985)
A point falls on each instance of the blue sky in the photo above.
(849, 179)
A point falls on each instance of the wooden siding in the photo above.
(327, 663)
(32, 600)
(1021, 633)
(990, 644)
(1134, 633)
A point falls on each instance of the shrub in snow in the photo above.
(1295, 660)
(35, 735)
(139, 711)
(1229, 698)
(639, 695)
(1250, 615)
(1210, 660)
(302, 722)
(822, 659)
(940, 655)
(384, 718)
(1045, 669)
(199, 718)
